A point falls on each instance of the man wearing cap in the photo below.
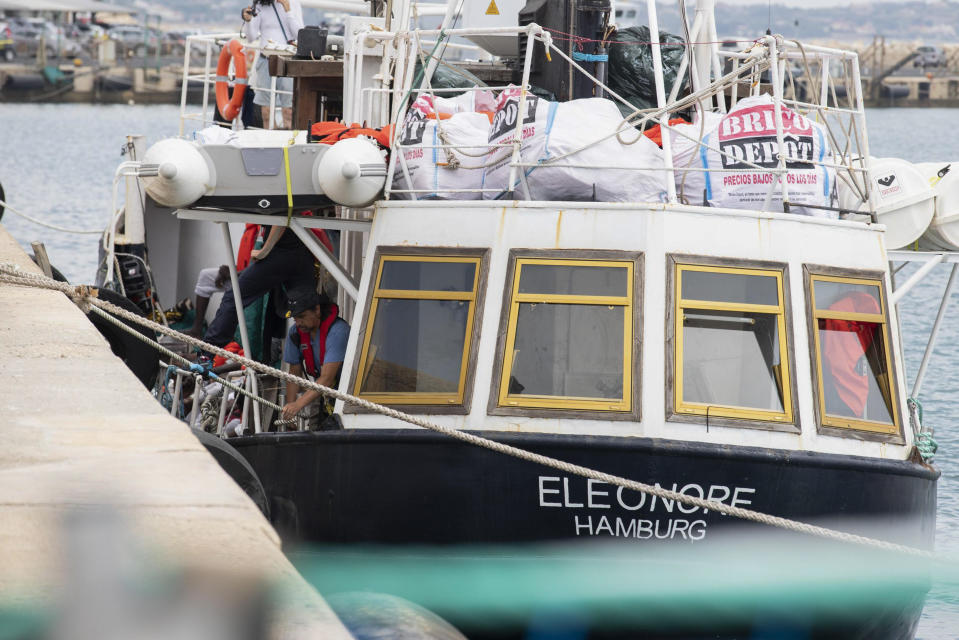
(315, 344)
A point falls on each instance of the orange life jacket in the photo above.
(332, 132)
(301, 339)
(844, 344)
(656, 135)
(232, 347)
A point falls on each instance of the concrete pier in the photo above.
(80, 431)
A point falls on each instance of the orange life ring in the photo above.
(229, 106)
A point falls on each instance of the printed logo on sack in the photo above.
(505, 118)
(749, 136)
(888, 185)
(413, 127)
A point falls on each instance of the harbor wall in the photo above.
(81, 433)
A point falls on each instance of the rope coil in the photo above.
(17, 277)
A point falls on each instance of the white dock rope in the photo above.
(186, 363)
(11, 274)
(8, 207)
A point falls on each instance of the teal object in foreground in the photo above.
(728, 584)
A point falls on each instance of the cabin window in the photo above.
(416, 346)
(730, 347)
(853, 361)
(569, 335)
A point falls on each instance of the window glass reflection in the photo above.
(846, 296)
(416, 346)
(428, 276)
(572, 350)
(854, 376)
(732, 359)
(730, 287)
(574, 280)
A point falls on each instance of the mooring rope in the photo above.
(6, 205)
(86, 298)
(192, 367)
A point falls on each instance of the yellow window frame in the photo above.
(516, 298)
(681, 305)
(880, 318)
(444, 399)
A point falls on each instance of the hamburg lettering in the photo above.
(678, 528)
(652, 517)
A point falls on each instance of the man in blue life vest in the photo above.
(316, 345)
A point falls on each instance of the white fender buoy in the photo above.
(943, 231)
(352, 172)
(183, 175)
(902, 197)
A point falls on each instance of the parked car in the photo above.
(89, 31)
(6, 42)
(132, 39)
(929, 57)
(29, 33)
(131, 34)
(174, 42)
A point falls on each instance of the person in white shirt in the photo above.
(279, 21)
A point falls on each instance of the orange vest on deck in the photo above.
(844, 344)
(332, 132)
(654, 133)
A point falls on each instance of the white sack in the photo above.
(256, 138)
(438, 171)
(690, 185)
(466, 102)
(552, 129)
(748, 133)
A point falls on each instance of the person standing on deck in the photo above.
(279, 21)
(315, 344)
(282, 260)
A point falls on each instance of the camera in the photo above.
(254, 8)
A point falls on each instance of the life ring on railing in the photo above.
(228, 105)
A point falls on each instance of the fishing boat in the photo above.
(728, 337)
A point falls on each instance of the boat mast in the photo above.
(661, 96)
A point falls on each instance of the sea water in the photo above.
(57, 163)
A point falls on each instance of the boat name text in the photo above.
(555, 492)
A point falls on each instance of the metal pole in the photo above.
(860, 123)
(238, 303)
(176, 394)
(222, 417)
(916, 277)
(778, 116)
(206, 86)
(185, 81)
(195, 409)
(661, 98)
(521, 106)
(935, 331)
(327, 259)
(269, 124)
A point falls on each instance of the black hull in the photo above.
(399, 487)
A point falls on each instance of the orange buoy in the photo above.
(228, 105)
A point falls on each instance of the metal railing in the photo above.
(213, 43)
(818, 82)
